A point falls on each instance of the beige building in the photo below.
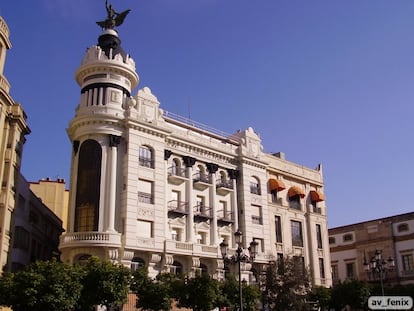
(13, 128)
(54, 195)
(354, 245)
(151, 188)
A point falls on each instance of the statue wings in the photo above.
(116, 20)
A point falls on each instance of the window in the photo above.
(280, 263)
(88, 189)
(335, 275)
(146, 157)
(21, 238)
(144, 229)
(176, 268)
(348, 237)
(278, 229)
(176, 234)
(257, 215)
(222, 212)
(255, 186)
(297, 237)
(407, 262)
(321, 268)
(332, 240)
(299, 263)
(201, 205)
(273, 194)
(202, 238)
(294, 202)
(350, 270)
(318, 235)
(260, 245)
(145, 191)
(402, 227)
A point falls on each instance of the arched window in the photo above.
(82, 259)
(88, 188)
(255, 186)
(176, 268)
(146, 157)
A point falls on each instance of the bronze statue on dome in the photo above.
(113, 19)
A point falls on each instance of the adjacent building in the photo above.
(148, 187)
(35, 230)
(13, 128)
(354, 246)
(54, 195)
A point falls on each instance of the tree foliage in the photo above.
(200, 293)
(322, 295)
(287, 285)
(155, 294)
(104, 283)
(43, 285)
(353, 293)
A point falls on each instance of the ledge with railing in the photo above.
(90, 238)
(177, 207)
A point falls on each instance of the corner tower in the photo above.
(106, 77)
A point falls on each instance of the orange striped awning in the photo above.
(317, 196)
(275, 184)
(295, 190)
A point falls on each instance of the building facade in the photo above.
(35, 229)
(54, 195)
(354, 245)
(148, 187)
(13, 128)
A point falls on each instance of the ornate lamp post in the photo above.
(377, 268)
(239, 257)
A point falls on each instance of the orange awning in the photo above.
(317, 196)
(275, 184)
(295, 190)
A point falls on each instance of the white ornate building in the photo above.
(149, 187)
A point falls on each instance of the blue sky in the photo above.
(325, 81)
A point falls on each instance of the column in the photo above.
(189, 162)
(233, 174)
(113, 144)
(212, 169)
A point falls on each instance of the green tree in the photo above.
(322, 295)
(230, 294)
(44, 285)
(155, 294)
(104, 283)
(353, 293)
(6, 289)
(200, 293)
(287, 285)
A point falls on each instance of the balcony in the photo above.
(176, 175)
(224, 186)
(224, 218)
(187, 248)
(146, 198)
(202, 212)
(90, 239)
(177, 208)
(201, 181)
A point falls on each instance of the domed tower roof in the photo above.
(108, 41)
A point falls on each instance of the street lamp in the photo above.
(377, 267)
(239, 257)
